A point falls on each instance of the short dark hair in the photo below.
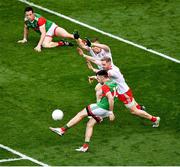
(107, 59)
(27, 9)
(102, 73)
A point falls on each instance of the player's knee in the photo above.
(45, 45)
(133, 111)
(90, 124)
(82, 113)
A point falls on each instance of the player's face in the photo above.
(100, 79)
(29, 15)
(105, 65)
(96, 49)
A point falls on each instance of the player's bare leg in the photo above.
(89, 129)
(134, 110)
(60, 32)
(77, 118)
(88, 135)
(72, 122)
(47, 43)
(141, 113)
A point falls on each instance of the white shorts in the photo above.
(51, 31)
(97, 113)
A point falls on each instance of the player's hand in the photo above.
(111, 117)
(37, 48)
(80, 51)
(22, 41)
(76, 35)
(89, 65)
(91, 79)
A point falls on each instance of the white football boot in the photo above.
(156, 123)
(59, 131)
(82, 149)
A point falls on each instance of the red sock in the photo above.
(138, 107)
(63, 129)
(153, 119)
(85, 145)
(60, 43)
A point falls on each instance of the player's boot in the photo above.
(76, 34)
(156, 123)
(59, 131)
(84, 148)
(66, 43)
(88, 42)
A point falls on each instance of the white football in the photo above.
(57, 114)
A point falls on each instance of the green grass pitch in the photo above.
(33, 84)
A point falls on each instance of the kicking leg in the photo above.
(72, 122)
(77, 118)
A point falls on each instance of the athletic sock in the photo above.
(65, 128)
(138, 106)
(153, 119)
(86, 144)
(60, 43)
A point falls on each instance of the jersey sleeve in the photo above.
(41, 21)
(112, 73)
(92, 52)
(105, 89)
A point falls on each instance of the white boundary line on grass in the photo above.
(10, 159)
(23, 156)
(100, 31)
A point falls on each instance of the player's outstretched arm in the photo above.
(43, 34)
(88, 58)
(24, 40)
(82, 45)
(91, 67)
(91, 79)
(102, 46)
(111, 105)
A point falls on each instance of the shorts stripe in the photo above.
(49, 36)
(55, 31)
(91, 114)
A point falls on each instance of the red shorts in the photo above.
(127, 98)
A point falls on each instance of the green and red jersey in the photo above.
(37, 22)
(108, 86)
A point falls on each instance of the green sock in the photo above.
(86, 142)
(65, 127)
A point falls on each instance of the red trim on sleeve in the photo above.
(41, 21)
(105, 89)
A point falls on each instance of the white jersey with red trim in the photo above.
(101, 55)
(116, 75)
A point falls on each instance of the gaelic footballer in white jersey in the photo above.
(99, 55)
(124, 93)
(95, 49)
